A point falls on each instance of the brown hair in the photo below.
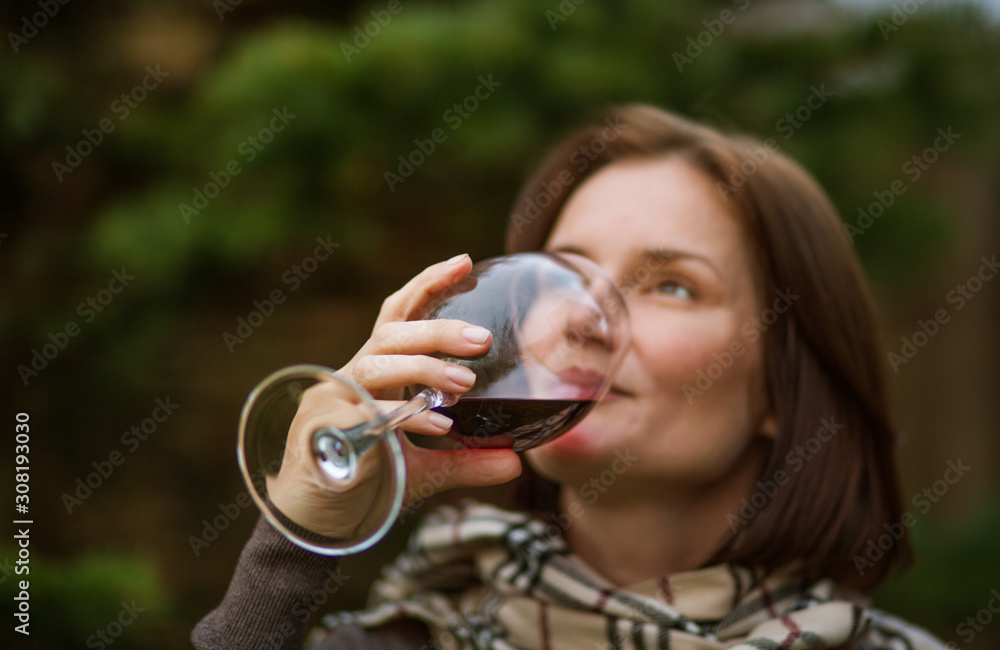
(822, 359)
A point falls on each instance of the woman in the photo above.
(727, 491)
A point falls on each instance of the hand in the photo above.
(394, 357)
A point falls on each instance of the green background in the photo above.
(359, 101)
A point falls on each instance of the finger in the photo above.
(439, 470)
(406, 303)
(392, 370)
(450, 336)
(430, 423)
(330, 403)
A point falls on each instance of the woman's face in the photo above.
(688, 406)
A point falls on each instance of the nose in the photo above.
(587, 325)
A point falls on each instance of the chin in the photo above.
(583, 450)
(577, 441)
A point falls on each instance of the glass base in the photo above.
(308, 476)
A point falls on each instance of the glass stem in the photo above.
(364, 436)
(428, 398)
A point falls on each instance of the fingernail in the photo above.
(476, 334)
(460, 375)
(440, 421)
(455, 260)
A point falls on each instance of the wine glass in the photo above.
(317, 450)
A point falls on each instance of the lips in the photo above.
(578, 384)
(582, 377)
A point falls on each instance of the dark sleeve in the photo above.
(275, 590)
(399, 634)
(272, 595)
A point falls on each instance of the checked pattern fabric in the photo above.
(486, 578)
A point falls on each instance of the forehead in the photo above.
(635, 206)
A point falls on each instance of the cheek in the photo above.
(707, 372)
(692, 352)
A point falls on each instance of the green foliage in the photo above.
(356, 111)
(69, 600)
(958, 558)
(325, 173)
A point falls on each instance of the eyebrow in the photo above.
(660, 255)
(670, 254)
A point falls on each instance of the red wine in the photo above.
(499, 423)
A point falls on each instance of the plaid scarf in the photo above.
(482, 577)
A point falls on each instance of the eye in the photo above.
(675, 287)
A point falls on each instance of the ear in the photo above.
(768, 427)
